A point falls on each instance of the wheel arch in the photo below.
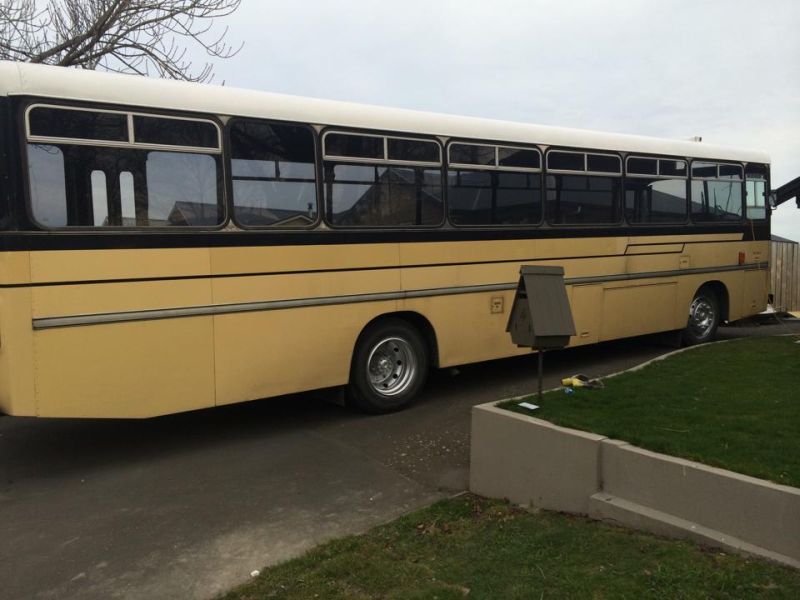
(721, 291)
(416, 320)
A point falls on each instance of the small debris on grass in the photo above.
(528, 405)
(255, 573)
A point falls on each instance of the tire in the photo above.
(389, 367)
(704, 317)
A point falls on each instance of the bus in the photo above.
(167, 246)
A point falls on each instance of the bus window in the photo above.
(72, 123)
(181, 189)
(383, 196)
(716, 192)
(504, 187)
(108, 178)
(578, 199)
(382, 181)
(578, 189)
(127, 199)
(410, 150)
(99, 198)
(174, 132)
(655, 190)
(756, 190)
(274, 174)
(47, 185)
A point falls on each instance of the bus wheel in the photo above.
(390, 365)
(703, 317)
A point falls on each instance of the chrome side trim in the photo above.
(673, 273)
(224, 309)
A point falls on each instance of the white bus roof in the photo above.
(131, 90)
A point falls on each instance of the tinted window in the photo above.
(602, 163)
(672, 168)
(383, 196)
(413, 150)
(274, 174)
(655, 200)
(702, 169)
(730, 172)
(174, 132)
(575, 199)
(78, 124)
(519, 157)
(99, 198)
(642, 166)
(566, 161)
(756, 171)
(756, 190)
(353, 146)
(715, 200)
(494, 197)
(92, 186)
(181, 189)
(47, 185)
(472, 154)
(756, 199)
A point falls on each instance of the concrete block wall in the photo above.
(538, 464)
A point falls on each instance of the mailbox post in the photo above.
(540, 317)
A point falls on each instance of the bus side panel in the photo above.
(281, 351)
(130, 369)
(140, 369)
(16, 353)
(630, 310)
(270, 353)
(16, 341)
(756, 282)
(755, 291)
(471, 327)
(466, 329)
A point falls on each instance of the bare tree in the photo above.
(132, 36)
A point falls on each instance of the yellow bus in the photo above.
(167, 246)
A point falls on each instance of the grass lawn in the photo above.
(734, 405)
(478, 548)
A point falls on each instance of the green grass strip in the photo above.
(734, 405)
(470, 547)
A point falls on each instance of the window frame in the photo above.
(318, 175)
(658, 157)
(767, 209)
(131, 143)
(743, 192)
(585, 170)
(346, 160)
(25, 139)
(586, 151)
(385, 160)
(496, 167)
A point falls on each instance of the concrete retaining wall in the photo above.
(511, 458)
(536, 463)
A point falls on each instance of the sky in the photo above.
(726, 70)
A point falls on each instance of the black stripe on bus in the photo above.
(118, 240)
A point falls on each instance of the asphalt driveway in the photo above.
(186, 506)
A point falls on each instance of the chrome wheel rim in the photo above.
(701, 316)
(391, 366)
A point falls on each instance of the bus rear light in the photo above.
(741, 258)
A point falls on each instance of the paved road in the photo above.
(186, 506)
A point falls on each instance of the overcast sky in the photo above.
(726, 70)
